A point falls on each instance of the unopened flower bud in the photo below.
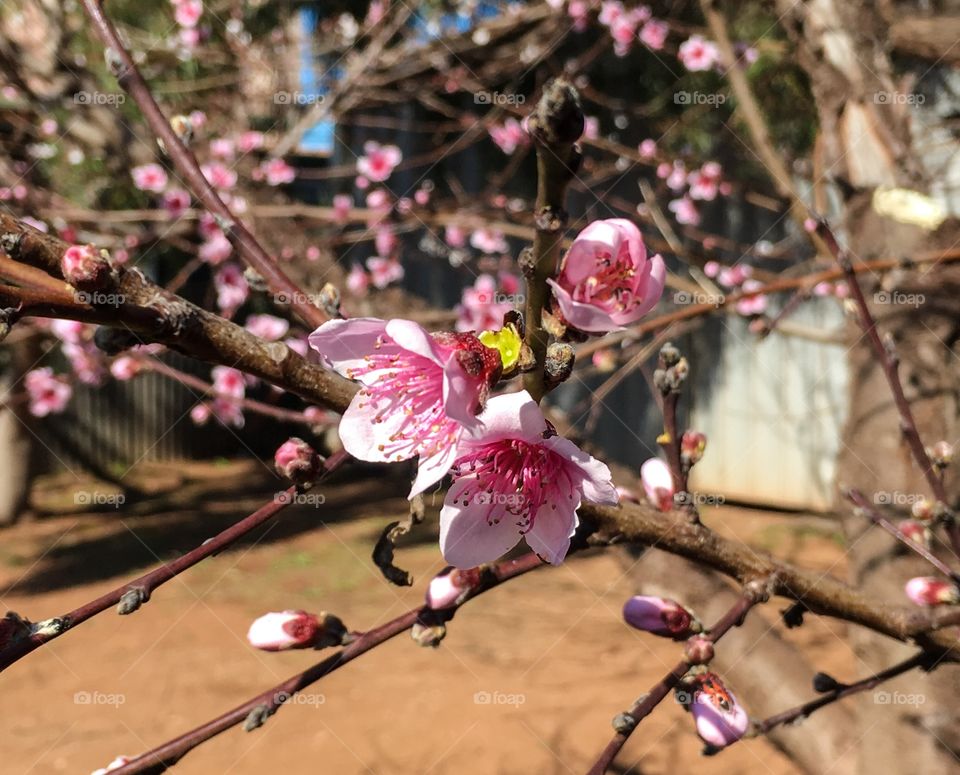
(719, 718)
(658, 484)
(330, 300)
(85, 268)
(428, 634)
(116, 764)
(930, 591)
(559, 363)
(922, 510)
(284, 630)
(450, 589)
(661, 616)
(692, 445)
(13, 627)
(823, 683)
(916, 532)
(296, 460)
(698, 650)
(941, 454)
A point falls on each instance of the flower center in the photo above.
(611, 286)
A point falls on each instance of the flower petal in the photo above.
(344, 343)
(597, 481)
(364, 436)
(467, 538)
(552, 530)
(432, 469)
(585, 317)
(655, 282)
(511, 416)
(413, 337)
(461, 393)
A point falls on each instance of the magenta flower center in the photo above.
(515, 478)
(612, 285)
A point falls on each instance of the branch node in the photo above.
(132, 599)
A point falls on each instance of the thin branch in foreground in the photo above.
(732, 618)
(256, 710)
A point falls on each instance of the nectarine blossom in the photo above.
(657, 483)
(929, 591)
(659, 615)
(419, 390)
(378, 161)
(606, 280)
(47, 394)
(283, 630)
(720, 719)
(516, 478)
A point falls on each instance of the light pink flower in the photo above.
(228, 382)
(277, 172)
(648, 148)
(455, 236)
(232, 288)
(47, 394)
(654, 33)
(610, 11)
(358, 281)
(378, 161)
(451, 588)
(930, 591)
(479, 308)
(677, 179)
(84, 267)
(200, 414)
(296, 460)
(660, 616)
(720, 719)
(591, 127)
(219, 176)
(705, 182)
(696, 53)
(384, 271)
(249, 141)
(176, 201)
(385, 241)
(515, 478)
(579, 12)
(342, 204)
(509, 135)
(124, 368)
(149, 177)
(267, 327)
(228, 411)
(658, 483)
(283, 630)
(753, 305)
(86, 361)
(215, 250)
(68, 330)
(188, 12)
(606, 280)
(623, 29)
(223, 148)
(685, 211)
(418, 390)
(488, 241)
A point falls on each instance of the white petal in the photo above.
(467, 539)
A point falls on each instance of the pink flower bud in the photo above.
(657, 483)
(83, 267)
(692, 445)
(450, 589)
(296, 460)
(284, 630)
(915, 531)
(928, 591)
(116, 764)
(719, 718)
(659, 615)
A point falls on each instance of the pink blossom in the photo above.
(823, 288)
(488, 241)
(47, 394)
(711, 269)
(200, 414)
(604, 360)
(86, 361)
(48, 127)
(623, 30)
(267, 327)
(215, 250)
(720, 719)
(752, 305)
(384, 271)
(228, 382)
(189, 37)
(930, 591)
(283, 630)
(84, 267)
(207, 226)
(232, 288)
(418, 390)
(125, 367)
(648, 148)
(659, 616)
(188, 12)
(358, 281)
(249, 141)
(685, 211)
(421, 196)
(149, 177)
(479, 308)
(610, 11)
(219, 176)
(677, 178)
(579, 12)
(915, 531)
(842, 290)
(732, 276)
(223, 148)
(515, 478)
(658, 483)
(116, 764)
(509, 135)
(342, 204)
(385, 241)
(654, 33)
(378, 161)
(591, 127)
(450, 589)
(277, 172)
(68, 330)
(696, 53)
(228, 411)
(606, 280)
(312, 253)
(296, 460)
(810, 225)
(176, 201)
(455, 236)
(705, 182)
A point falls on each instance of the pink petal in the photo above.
(363, 435)
(552, 530)
(411, 336)
(585, 317)
(511, 416)
(344, 343)
(431, 470)
(656, 280)
(597, 481)
(467, 539)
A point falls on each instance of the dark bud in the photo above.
(823, 683)
(793, 616)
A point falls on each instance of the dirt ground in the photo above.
(549, 652)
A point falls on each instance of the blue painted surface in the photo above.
(313, 77)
